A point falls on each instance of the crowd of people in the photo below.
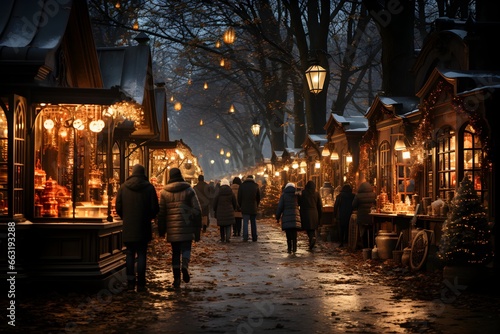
(183, 212)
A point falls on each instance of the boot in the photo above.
(185, 272)
(312, 243)
(130, 285)
(289, 244)
(294, 245)
(177, 278)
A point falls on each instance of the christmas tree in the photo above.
(269, 202)
(466, 232)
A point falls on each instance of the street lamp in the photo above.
(315, 76)
(255, 128)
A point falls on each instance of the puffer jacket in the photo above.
(224, 206)
(363, 202)
(180, 212)
(137, 205)
(249, 197)
(288, 209)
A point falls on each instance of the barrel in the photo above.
(386, 242)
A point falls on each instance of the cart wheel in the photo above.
(419, 250)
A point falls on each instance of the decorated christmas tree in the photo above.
(466, 232)
(269, 202)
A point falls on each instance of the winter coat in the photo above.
(137, 205)
(234, 188)
(180, 212)
(224, 206)
(203, 193)
(363, 202)
(342, 209)
(288, 209)
(311, 207)
(249, 197)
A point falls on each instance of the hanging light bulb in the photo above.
(325, 152)
(334, 156)
(205, 86)
(222, 62)
(201, 122)
(177, 106)
(117, 5)
(136, 25)
(217, 44)
(229, 36)
(48, 124)
(221, 151)
(228, 154)
(231, 109)
(94, 126)
(348, 158)
(217, 136)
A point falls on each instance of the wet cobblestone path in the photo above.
(257, 287)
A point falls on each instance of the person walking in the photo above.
(311, 210)
(363, 201)
(180, 219)
(289, 213)
(203, 192)
(224, 206)
(248, 200)
(137, 205)
(237, 213)
(342, 210)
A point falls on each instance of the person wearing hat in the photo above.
(180, 219)
(224, 206)
(248, 200)
(289, 213)
(137, 205)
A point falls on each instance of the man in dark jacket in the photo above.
(137, 205)
(180, 219)
(342, 210)
(203, 192)
(248, 200)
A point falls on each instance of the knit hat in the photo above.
(138, 170)
(175, 173)
(290, 184)
(224, 182)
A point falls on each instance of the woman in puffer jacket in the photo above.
(289, 213)
(224, 206)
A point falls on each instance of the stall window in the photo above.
(19, 157)
(385, 167)
(473, 156)
(70, 162)
(446, 172)
(4, 135)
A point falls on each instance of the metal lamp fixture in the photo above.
(334, 155)
(325, 152)
(400, 145)
(315, 76)
(255, 128)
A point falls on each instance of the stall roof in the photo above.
(463, 81)
(127, 67)
(395, 105)
(30, 44)
(352, 123)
